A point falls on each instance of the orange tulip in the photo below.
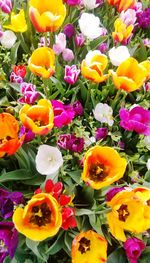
(130, 212)
(9, 128)
(40, 218)
(47, 15)
(122, 31)
(38, 118)
(130, 75)
(146, 65)
(102, 166)
(122, 5)
(41, 62)
(93, 66)
(89, 247)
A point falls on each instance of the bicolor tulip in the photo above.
(122, 5)
(18, 22)
(38, 118)
(89, 247)
(40, 218)
(93, 66)
(130, 75)
(9, 128)
(122, 32)
(41, 62)
(130, 212)
(102, 166)
(47, 15)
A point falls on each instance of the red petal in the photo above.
(64, 200)
(49, 186)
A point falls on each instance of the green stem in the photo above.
(115, 100)
(23, 44)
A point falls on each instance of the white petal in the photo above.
(8, 39)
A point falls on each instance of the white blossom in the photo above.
(147, 142)
(118, 55)
(148, 164)
(8, 39)
(48, 160)
(90, 4)
(103, 113)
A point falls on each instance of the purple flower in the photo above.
(68, 55)
(79, 40)
(43, 42)
(147, 86)
(29, 135)
(63, 114)
(78, 108)
(71, 142)
(71, 74)
(7, 202)
(101, 133)
(6, 6)
(73, 2)
(128, 17)
(112, 192)
(15, 78)
(103, 47)
(69, 30)
(146, 42)
(99, 2)
(9, 240)
(29, 92)
(136, 119)
(143, 18)
(133, 248)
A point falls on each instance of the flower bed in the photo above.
(74, 131)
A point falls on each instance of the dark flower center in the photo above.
(4, 140)
(97, 172)
(123, 213)
(84, 245)
(41, 215)
(148, 202)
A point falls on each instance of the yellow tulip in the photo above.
(41, 62)
(122, 32)
(122, 5)
(89, 247)
(130, 75)
(93, 66)
(47, 15)
(18, 22)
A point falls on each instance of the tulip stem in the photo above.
(115, 100)
(23, 44)
(45, 88)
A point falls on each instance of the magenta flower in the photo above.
(71, 74)
(136, 119)
(6, 6)
(79, 40)
(71, 142)
(69, 30)
(73, 2)
(101, 133)
(15, 78)
(103, 47)
(143, 18)
(9, 240)
(1, 32)
(112, 192)
(29, 93)
(63, 114)
(29, 135)
(133, 248)
(78, 108)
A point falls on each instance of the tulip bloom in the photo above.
(122, 32)
(47, 15)
(122, 5)
(9, 128)
(102, 166)
(41, 62)
(38, 118)
(40, 218)
(18, 22)
(130, 75)
(89, 247)
(93, 65)
(130, 212)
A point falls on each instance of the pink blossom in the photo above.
(73, 2)
(60, 43)
(43, 42)
(63, 114)
(15, 78)
(29, 92)
(133, 248)
(68, 55)
(1, 32)
(71, 74)
(78, 108)
(128, 17)
(6, 6)
(79, 40)
(71, 142)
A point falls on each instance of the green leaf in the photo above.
(95, 223)
(13, 53)
(57, 245)
(21, 174)
(33, 245)
(145, 257)
(82, 211)
(118, 256)
(147, 176)
(75, 175)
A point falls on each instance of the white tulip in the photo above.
(148, 164)
(147, 142)
(103, 113)
(8, 39)
(90, 26)
(48, 160)
(90, 4)
(118, 55)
